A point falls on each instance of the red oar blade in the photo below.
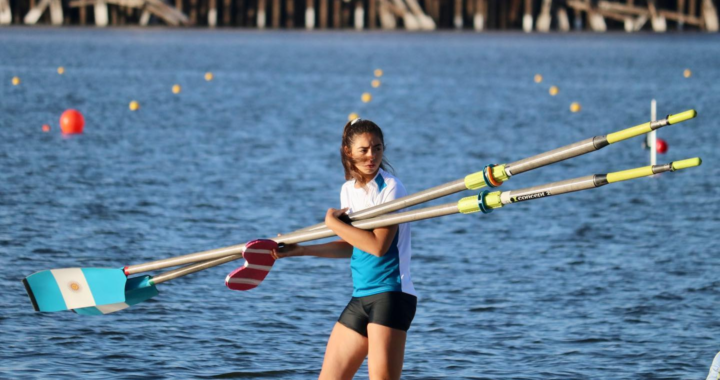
(258, 262)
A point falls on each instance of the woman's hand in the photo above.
(334, 214)
(287, 250)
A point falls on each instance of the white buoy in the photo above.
(652, 136)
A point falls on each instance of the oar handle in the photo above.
(651, 126)
(653, 169)
(593, 144)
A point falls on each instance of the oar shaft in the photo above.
(298, 237)
(305, 236)
(466, 205)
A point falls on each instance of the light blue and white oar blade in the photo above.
(137, 289)
(72, 288)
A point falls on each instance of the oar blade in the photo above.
(258, 262)
(71, 288)
(137, 289)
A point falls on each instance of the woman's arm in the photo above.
(375, 242)
(333, 250)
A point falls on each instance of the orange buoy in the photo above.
(72, 121)
(661, 146)
(45, 128)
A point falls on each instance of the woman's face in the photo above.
(366, 151)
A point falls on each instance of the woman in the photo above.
(375, 322)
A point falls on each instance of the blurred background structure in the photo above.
(479, 15)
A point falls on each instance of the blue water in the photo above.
(619, 282)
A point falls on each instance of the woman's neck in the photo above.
(365, 179)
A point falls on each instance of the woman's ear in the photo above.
(347, 151)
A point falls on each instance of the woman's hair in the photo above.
(353, 128)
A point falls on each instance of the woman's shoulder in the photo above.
(347, 185)
(391, 182)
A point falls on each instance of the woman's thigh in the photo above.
(386, 352)
(346, 350)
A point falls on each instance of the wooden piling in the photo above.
(372, 14)
(527, 17)
(290, 14)
(323, 14)
(275, 14)
(680, 13)
(458, 18)
(193, 12)
(212, 13)
(262, 14)
(480, 14)
(227, 13)
(240, 12)
(309, 14)
(336, 14)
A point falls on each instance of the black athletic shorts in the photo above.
(392, 309)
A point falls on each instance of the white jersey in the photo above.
(391, 272)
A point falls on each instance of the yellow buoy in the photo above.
(366, 97)
(554, 90)
(15, 81)
(176, 89)
(378, 73)
(687, 73)
(375, 83)
(538, 78)
(134, 105)
(208, 76)
(353, 116)
(61, 70)
(575, 107)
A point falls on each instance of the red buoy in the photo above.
(661, 146)
(72, 121)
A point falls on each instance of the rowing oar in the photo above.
(485, 202)
(45, 282)
(490, 176)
